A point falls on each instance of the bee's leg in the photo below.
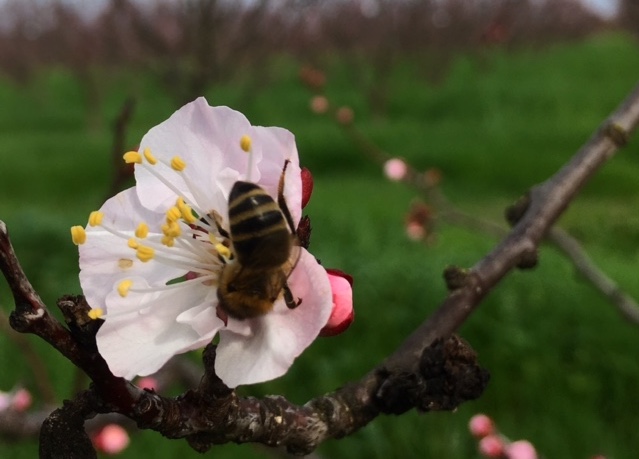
(289, 300)
(218, 223)
(282, 202)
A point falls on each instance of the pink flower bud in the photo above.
(21, 400)
(395, 169)
(521, 449)
(481, 426)
(491, 446)
(343, 313)
(307, 186)
(319, 105)
(148, 382)
(345, 115)
(415, 231)
(5, 400)
(112, 439)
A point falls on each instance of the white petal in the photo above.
(106, 258)
(280, 336)
(208, 139)
(140, 341)
(278, 145)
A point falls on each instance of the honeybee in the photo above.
(265, 251)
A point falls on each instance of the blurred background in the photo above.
(484, 97)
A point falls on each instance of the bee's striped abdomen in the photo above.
(257, 227)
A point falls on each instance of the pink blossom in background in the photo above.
(481, 426)
(319, 105)
(491, 446)
(521, 449)
(111, 439)
(21, 400)
(395, 169)
(345, 116)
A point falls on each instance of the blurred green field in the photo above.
(564, 364)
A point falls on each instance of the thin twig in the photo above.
(567, 245)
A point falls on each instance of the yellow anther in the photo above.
(95, 218)
(178, 164)
(186, 211)
(132, 157)
(124, 286)
(168, 241)
(125, 263)
(223, 250)
(171, 229)
(149, 157)
(145, 253)
(142, 230)
(78, 235)
(95, 313)
(133, 243)
(245, 143)
(173, 214)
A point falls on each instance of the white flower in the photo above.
(151, 257)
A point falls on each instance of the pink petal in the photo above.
(111, 439)
(208, 139)
(105, 259)
(281, 335)
(395, 169)
(21, 400)
(277, 146)
(481, 426)
(342, 314)
(521, 449)
(142, 332)
(491, 446)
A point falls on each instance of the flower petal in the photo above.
(280, 336)
(106, 258)
(278, 145)
(141, 331)
(208, 140)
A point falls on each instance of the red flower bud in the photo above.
(343, 313)
(307, 186)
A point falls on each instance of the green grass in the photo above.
(563, 362)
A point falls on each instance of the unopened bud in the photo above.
(343, 314)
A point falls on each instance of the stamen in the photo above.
(132, 157)
(186, 211)
(132, 243)
(223, 250)
(149, 157)
(196, 195)
(178, 164)
(142, 230)
(78, 235)
(175, 285)
(171, 229)
(95, 313)
(124, 286)
(95, 218)
(145, 253)
(173, 214)
(245, 143)
(168, 241)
